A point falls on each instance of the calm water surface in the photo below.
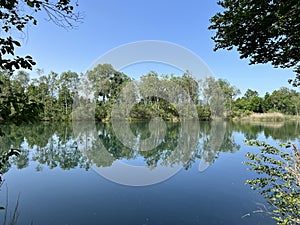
(65, 171)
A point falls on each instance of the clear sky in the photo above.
(108, 24)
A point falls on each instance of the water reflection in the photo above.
(189, 197)
(68, 146)
(281, 131)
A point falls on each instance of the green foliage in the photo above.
(284, 100)
(4, 157)
(250, 102)
(15, 15)
(64, 146)
(229, 93)
(106, 83)
(15, 105)
(169, 97)
(103, 111)
(242, 25)
(52, 92)
(275, 181)
(50, 97)
(219, 95)
(204, 113)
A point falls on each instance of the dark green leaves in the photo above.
(263, 31)
(276, 181)
(15, 16)
(5, 157)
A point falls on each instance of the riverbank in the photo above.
(267, 117)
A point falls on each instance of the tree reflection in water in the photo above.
(67, 146)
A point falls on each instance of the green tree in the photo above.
(191, 86)
(106, 81)
(150, 89)
(250, 94)
(266, 103)
(279, 180)
(40, 90)
(229, 93)
(15, 105)
(296, 103)
(283, 100)
(213, 96)
(106, 84)
(250, 102)
(46, 92)
(15, 15)
(22, 79)
(263, 31)
(168, 97)
(68, 89)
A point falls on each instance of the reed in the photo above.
(274, 116)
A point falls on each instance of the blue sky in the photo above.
(109, 24)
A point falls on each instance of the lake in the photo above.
(136, 173)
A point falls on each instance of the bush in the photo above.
(204, 113)
(278, 180)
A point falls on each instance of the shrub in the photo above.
(278, 179)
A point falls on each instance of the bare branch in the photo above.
(65, 19)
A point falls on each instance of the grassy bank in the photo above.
(267, 117)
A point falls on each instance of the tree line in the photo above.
(50, 97)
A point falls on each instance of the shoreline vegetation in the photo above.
(266, 117)
(68, 96)
(104, 94)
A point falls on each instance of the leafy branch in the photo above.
(15, 15)
(278, 179)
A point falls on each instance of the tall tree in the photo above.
(15, 105)
(282, 100)
(250, 102)
(22, 77)
(15, 15)
(106, 81)
(213, 96)
(191, 86)
(250, 94)
(106, 84)
(263, 31)
(267, 103)
(229, 93)
(68, 85)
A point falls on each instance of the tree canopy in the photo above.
(15, 15)
(262, 31)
